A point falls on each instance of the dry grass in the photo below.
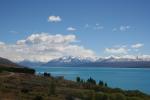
(21, 86)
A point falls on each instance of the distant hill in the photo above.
(30, 63)
(7, 65)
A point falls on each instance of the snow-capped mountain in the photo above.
(111, 61)
(69, 61)
(99, 62)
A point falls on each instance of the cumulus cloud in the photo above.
(44, 47)
(46, 38)
(138, 45)
(124, 49)
(71, 29)
(118, 50)
(54, 19)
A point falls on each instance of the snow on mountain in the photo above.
(97, 61)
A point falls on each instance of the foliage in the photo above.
(35, 87)
(78, 79)
(91, 81)
(17, 69)
(47, 74)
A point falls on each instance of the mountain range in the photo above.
(70, 61)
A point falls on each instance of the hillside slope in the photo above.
(21, 86)
(7, 65)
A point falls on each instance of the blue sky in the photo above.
(102, 26)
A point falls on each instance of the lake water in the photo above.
(125, 78)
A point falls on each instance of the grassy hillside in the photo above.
(21, 86)
(7, 65)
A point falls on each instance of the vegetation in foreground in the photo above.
(24, 86)
(17, 69)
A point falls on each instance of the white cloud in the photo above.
(2, 43)
(118, 50)
(138, 45)
(54, 19)
(124, 28)
(87, 26)
(127, 57)
(98, 27)
(44, 47)
(124, 49)
(114, 29)
(71, 29)
(46, 38)
(145, 57)
(14, 32)
(20, 42)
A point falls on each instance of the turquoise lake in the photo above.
(125, 78)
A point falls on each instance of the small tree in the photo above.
(101, 83)
(78, 79)
(105, 85)
(47, 74)
(91, 81)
